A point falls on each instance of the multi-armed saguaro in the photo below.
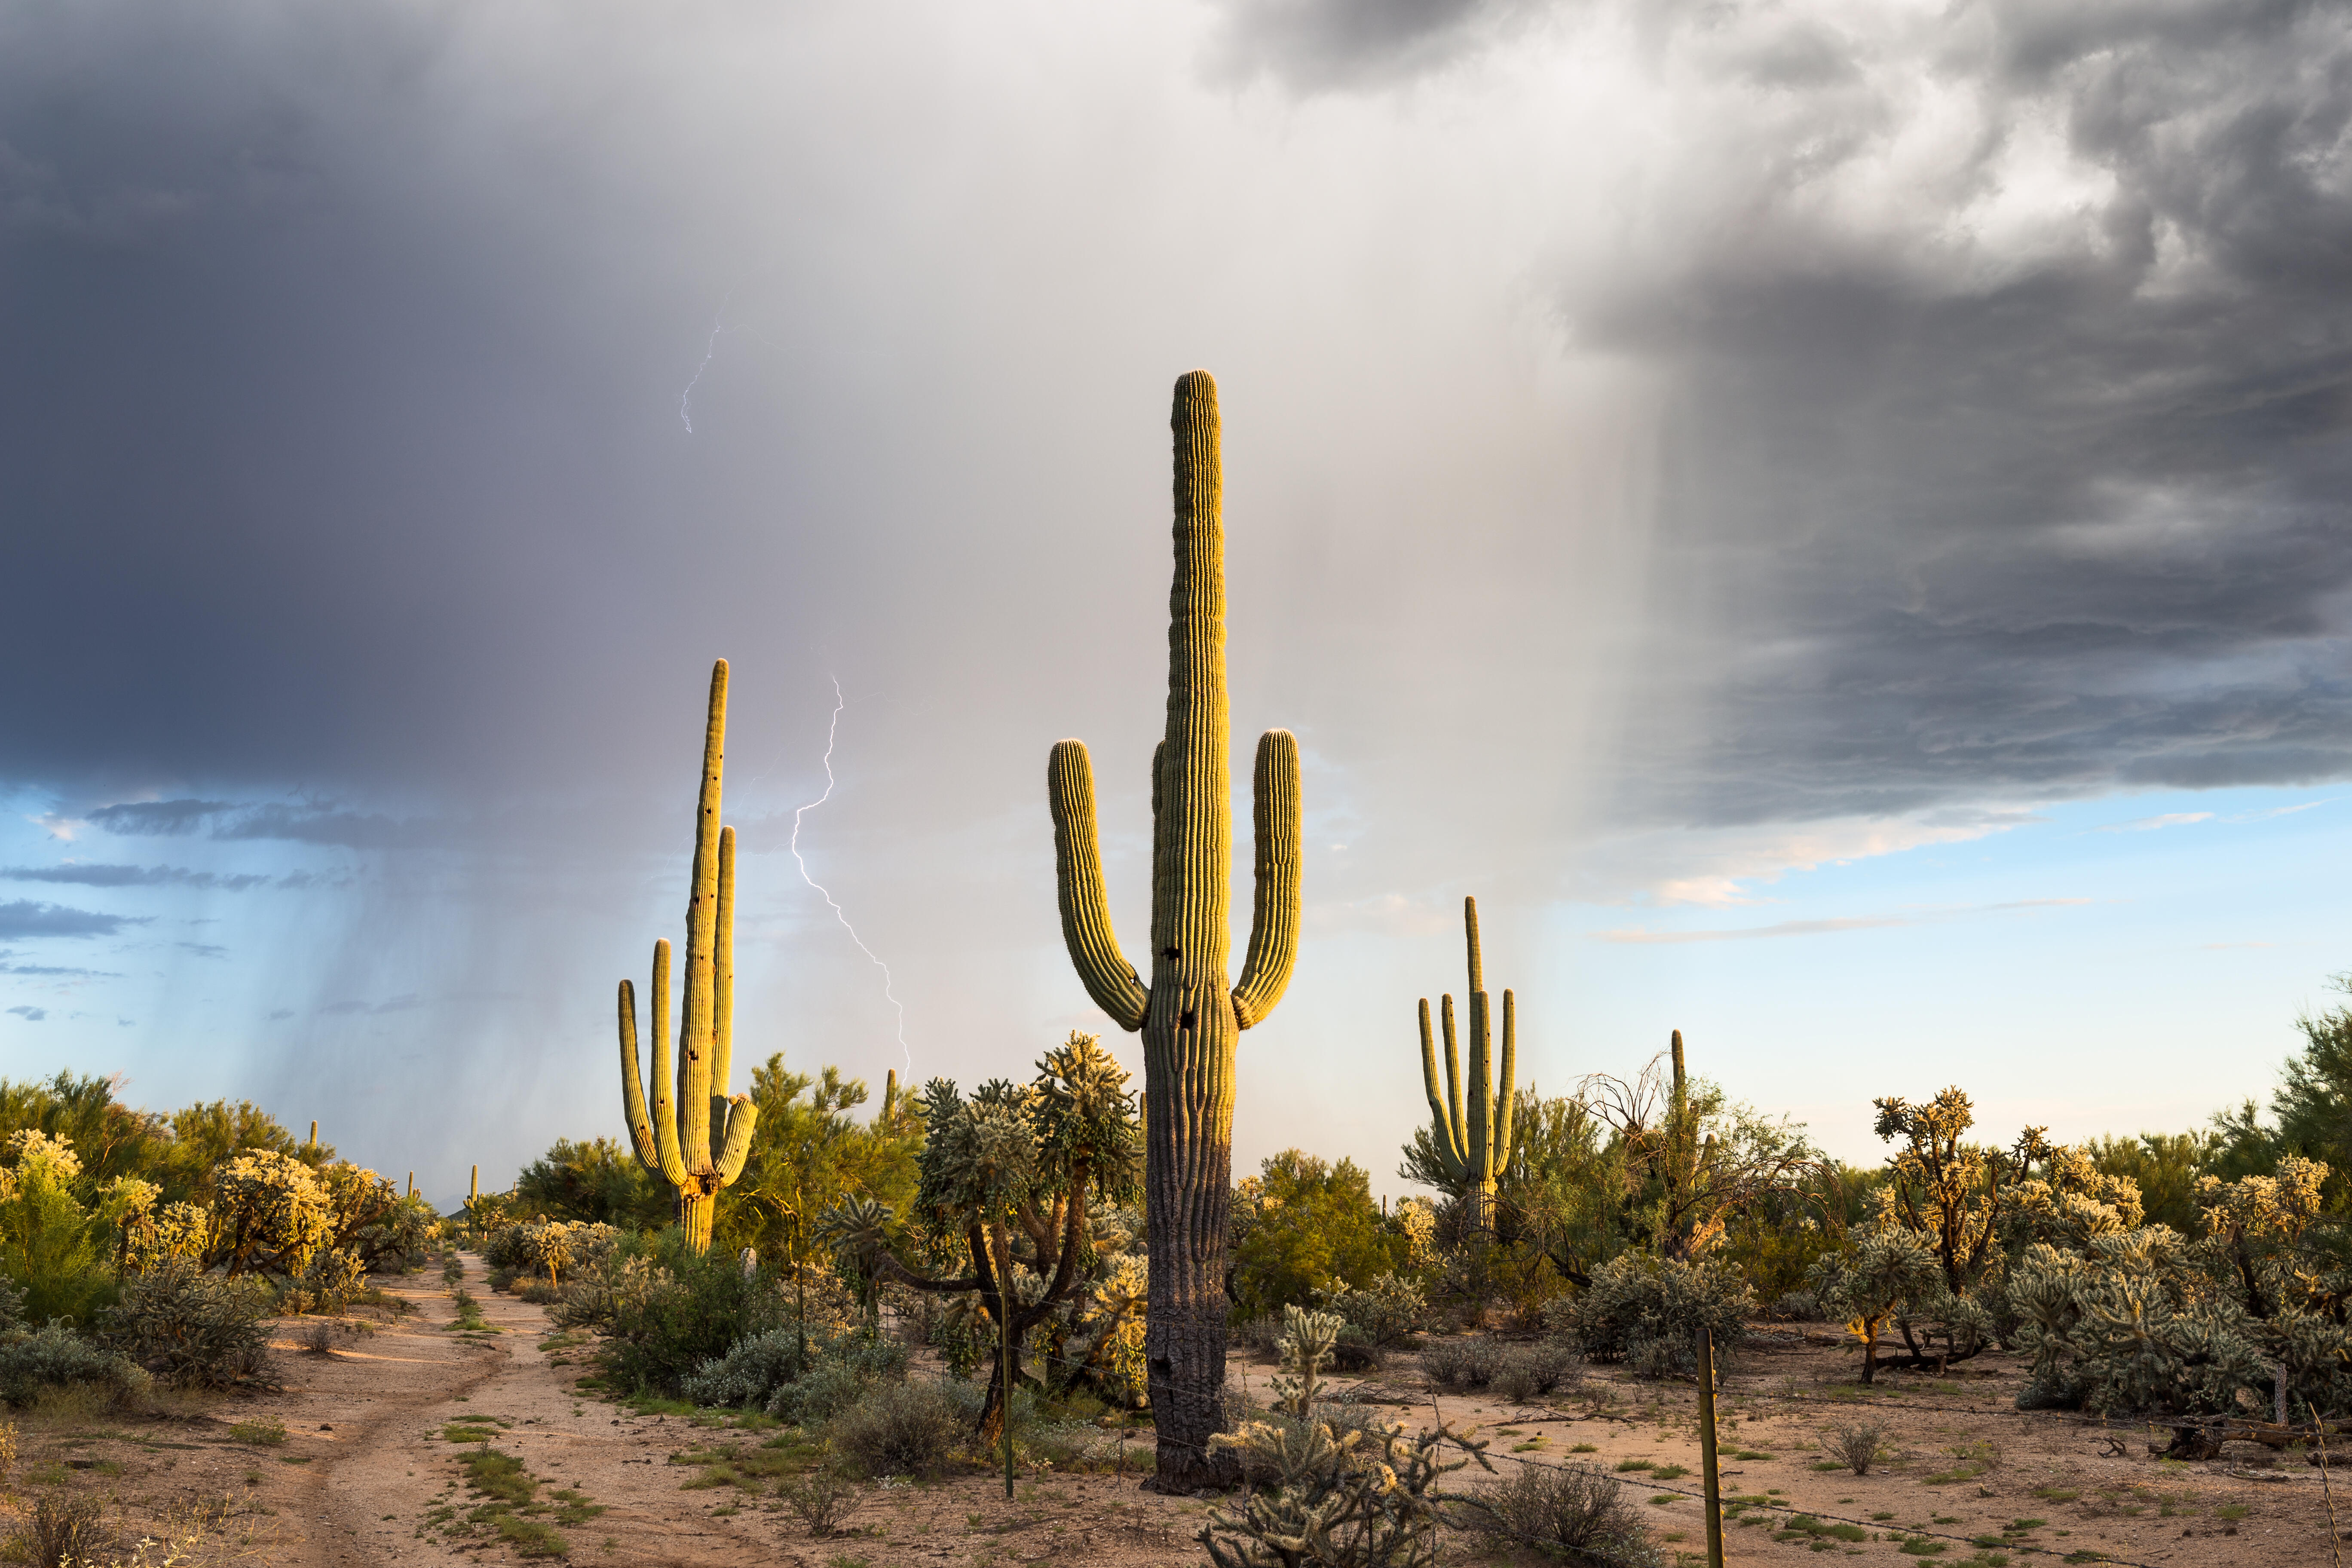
(1189, 1017)
(675, 1142)
(1472, 1149)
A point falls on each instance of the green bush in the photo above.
(1389, 1312)
(191, 1329)
(1647, 1311)
(688, 1310)
(1303, 1225)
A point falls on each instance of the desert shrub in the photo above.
(683, 1311)
(1526, 1370)
(822, 1499)
(551, 1247)
(1798, 1307)
(1647, 1312)
(599, 1182)
(45, 1234)
(539, 1293)
(1572, 1512)
(1469, 1361)
(1261, 1332)
(64, 1531)
(1302, 1225)
(899, 1429)
(1389, 1312)
(1855, 1446)
(191, 1329)
(57, 1357)
(768, 1372)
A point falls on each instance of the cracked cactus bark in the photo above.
(1474, 1147)
(1190, 1015)
(676, 1137)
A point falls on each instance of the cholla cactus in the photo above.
(1007, 1177)
(1470, 1149)
(1343, 1496)
(675, 1141)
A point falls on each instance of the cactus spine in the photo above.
(674, 1141)
(1190, 1018)
(1472, 1149)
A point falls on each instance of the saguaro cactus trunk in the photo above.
(1472, 1149)
(1190, 1018)
(675, 1141)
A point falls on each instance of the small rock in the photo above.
(324, 1428)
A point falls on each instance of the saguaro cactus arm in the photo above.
(1443, 1136)
(1504, 1102)
(1274, 923)
(1105, 971)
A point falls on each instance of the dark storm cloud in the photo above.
(2009, 448)
(2046, 511)
(24, 918)
(117, 875)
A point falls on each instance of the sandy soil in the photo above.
(372, 1473)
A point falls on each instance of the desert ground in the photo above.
(411, 1441)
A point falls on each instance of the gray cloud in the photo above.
(156, 818)
(24, 918)
(30, 1015)
(325, 825)
(203, 948)
(1321, 44)
(118, 876)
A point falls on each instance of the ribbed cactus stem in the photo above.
(314, 1136)
(889, 1095)
(673, 1137)
(1471, 1149)
(1190, 1014)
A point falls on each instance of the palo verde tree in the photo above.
(1192, 1018)
(675, 1142)
(1007, 1179)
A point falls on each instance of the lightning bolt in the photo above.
(832, 729)
(710, 352)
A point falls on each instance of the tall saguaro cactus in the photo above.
(1190, 1018)
(1472, 1149)
(675, 1141)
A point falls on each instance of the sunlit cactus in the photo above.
(1472, 1141)
(675, 1141)
(1190, 1014)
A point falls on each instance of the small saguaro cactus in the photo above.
(1470, 1149)
(1190, 1015)
(675, 1141)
